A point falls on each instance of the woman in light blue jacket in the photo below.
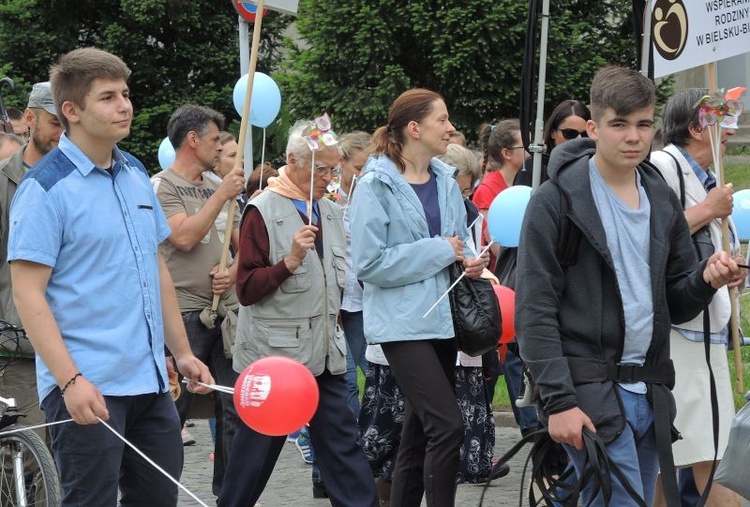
(408, 226)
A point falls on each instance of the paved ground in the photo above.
(290, 483)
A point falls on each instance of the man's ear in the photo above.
(71, 111)
(30, 117)
(591, 128)
(696, 132)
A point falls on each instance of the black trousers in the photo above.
(94, 464)
(428, 456)
(333, 431)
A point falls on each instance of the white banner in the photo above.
(285, 6)
(691, 33)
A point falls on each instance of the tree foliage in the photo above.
(180, 51)
(360, 54)
(354, 58)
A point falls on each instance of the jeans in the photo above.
(333, 432)
(634, 451)
(355, 355)
(525, 417)
(208, 346)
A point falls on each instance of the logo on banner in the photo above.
(669, 28)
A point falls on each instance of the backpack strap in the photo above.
(569, 239)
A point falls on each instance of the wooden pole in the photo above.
(238, 162)
(719, 170)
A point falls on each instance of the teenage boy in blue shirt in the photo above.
(96, 298)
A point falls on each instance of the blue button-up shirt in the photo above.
(99, 232)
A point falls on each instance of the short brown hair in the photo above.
(71, 77)
(622, 90)
(253, 181)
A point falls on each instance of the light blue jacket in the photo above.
(402, 267)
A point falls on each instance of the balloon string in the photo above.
(160, 469)
(31, 428)
(262, 159)
(456, 282)
(223, 389)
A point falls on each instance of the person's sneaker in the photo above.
(187, 438)
(189, 423)
(305, 448)
(292, 437)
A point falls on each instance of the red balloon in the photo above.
(507, 299)
(276, 395)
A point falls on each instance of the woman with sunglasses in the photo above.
(566, 122)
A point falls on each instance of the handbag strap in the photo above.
(680, 176)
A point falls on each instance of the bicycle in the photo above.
(28, 474)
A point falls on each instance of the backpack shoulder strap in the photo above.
(570, 235)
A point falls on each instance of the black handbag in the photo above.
(476, 313)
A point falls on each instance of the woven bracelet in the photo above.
(70, 383)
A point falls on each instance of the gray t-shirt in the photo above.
(628, 233)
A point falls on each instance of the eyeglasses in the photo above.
(322, 171)
(573, 133)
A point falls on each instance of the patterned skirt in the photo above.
(382, 416)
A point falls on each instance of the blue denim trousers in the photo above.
(634, 451)
(355, 355)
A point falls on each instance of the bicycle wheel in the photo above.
(28, 474)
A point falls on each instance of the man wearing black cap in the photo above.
(19, 377)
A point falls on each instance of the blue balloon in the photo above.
(505, 216)
(741, 213)
(265, 102)
(166, 154)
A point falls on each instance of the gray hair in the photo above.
(464, 160)
(680, 114)
(191, 118)
(297, 142)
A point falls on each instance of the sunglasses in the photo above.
(573, 133)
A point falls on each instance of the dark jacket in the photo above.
(576, 311)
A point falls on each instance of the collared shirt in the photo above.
(708, 180)
(99, 233)
(351, 301)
